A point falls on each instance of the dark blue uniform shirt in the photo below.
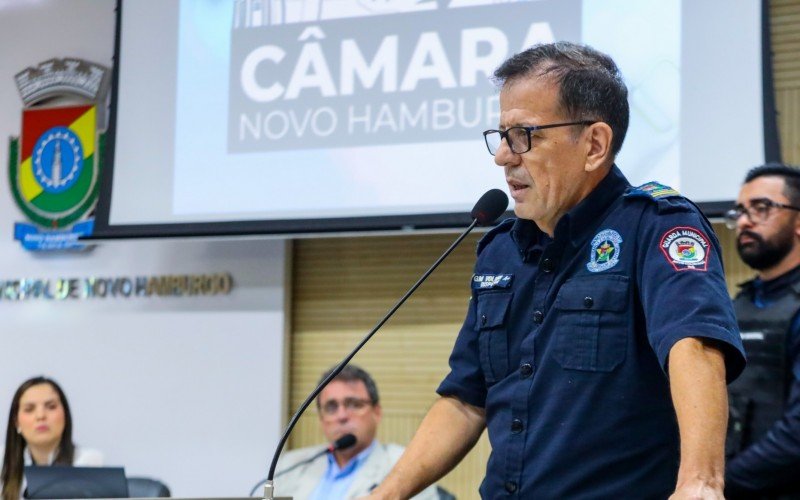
(566, 342)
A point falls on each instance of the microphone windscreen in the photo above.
(344, 442)
(490, 206)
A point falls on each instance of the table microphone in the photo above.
(487, 209)
(344, 442)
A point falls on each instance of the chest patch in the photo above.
(686, 249)
(605, 251)
(484, 281)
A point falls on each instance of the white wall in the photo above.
(188, 390)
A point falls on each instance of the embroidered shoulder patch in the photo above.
(485, 281)
(686, 248)
(654, 190)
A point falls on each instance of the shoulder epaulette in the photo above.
(653, 190)
(503, 227)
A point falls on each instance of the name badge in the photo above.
(752, 335)
(485, 281)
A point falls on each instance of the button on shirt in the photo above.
(566, 342)
(337, 480)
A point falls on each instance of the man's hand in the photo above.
(698, 490)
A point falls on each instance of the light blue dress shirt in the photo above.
(337, 481)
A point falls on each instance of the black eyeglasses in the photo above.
(758, 212)
(350, 404)
(519, 138)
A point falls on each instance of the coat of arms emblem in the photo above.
(54, 164)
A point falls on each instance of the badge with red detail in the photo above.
(686, 249)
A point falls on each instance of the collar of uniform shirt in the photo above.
(580, 220)
(528, 237)
(766, 292)
(586, 215)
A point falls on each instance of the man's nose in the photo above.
(504, 157)
(743, 222)
(341, 413)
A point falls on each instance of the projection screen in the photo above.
(299, 116)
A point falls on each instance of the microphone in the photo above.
(487, 209)
(344, 442)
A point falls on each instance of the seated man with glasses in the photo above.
(764, 428)
(348, 405)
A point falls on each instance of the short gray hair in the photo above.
(590, 83)
(353, 373)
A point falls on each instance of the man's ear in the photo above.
(797, 225)
(598, 146)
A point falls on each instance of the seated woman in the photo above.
(39, 433)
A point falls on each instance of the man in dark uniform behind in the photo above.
(600, 332)
(764, 430)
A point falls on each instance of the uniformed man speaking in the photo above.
(764, 432)
(600, 334)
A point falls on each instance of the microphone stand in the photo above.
(269, 487)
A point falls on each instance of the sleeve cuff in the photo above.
(470, 396)
(734, 354)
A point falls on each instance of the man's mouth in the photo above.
(516, 187)
(747, 238)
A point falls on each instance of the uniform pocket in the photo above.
(592, 323)
(492, 309)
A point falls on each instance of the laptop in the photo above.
(58, 481)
